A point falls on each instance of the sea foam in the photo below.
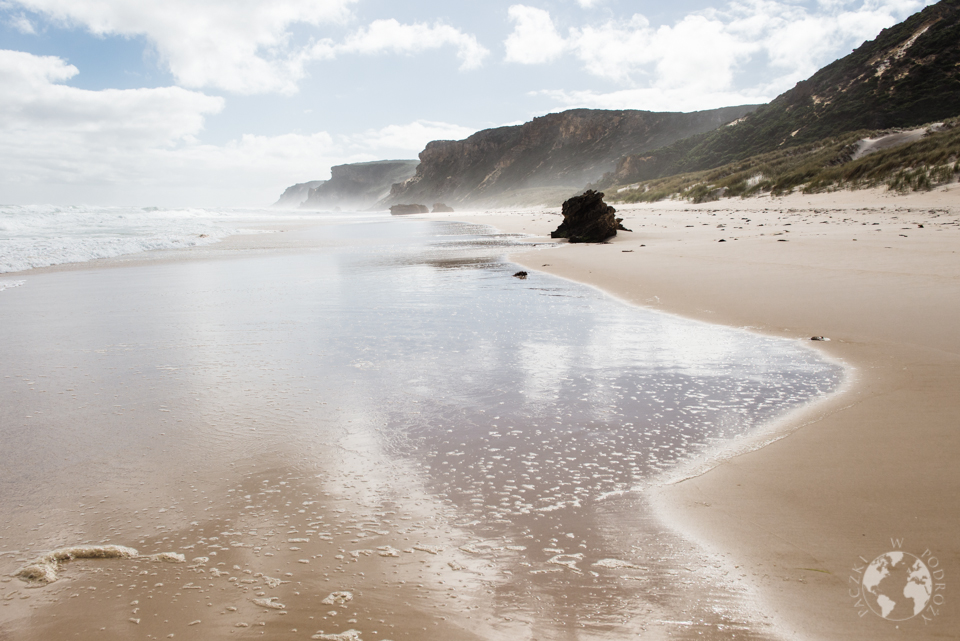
(8, 284)
(43, 235)
(34, 236)
(44, 570)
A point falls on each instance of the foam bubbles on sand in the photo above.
(569, 561)
(270, 602)
(10, 284)
(44, 570)
(167, 557)
(337, 598)
(616, 564)
(346, 635)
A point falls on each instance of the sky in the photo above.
(213, 103)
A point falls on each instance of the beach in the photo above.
(872, 469)
(229, 403)
(342, 426)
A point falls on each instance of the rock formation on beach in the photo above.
(587, 219)
(357, 186)
(440, 208)
(548, 159)
(398, 210)
(294, 195)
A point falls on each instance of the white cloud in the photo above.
(709, 65)
(21, 23)
(655, 99)
(535, 38)
(699, 61)
(139, 146)
(390, 36)
(247, 46)
(32, 101)
(615, 50)
(410, 138)
(237, 45)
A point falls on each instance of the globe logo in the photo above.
(897, 586)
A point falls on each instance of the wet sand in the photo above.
(187, 402)
(272, 521)
(872, 469)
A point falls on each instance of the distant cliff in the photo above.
(296, 194)
(547, 159)
(360, 185)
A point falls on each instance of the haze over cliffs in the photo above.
(811, 137)
(296, 194)
(907, 76)
(356, 186)
(547, 159)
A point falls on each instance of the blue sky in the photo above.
(226, 102)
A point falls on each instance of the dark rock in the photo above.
(819, 338)
(587, 219)
(397, 210)
(440, 208)
(520, 275)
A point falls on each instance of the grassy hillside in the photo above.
(907, 76)
(828, 164)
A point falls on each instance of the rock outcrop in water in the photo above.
(440, 208)
(548, 159)
(358, 186)
(587, 219)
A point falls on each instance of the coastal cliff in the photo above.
(908, 76)
(357, 186)
(548, 159)
(294, 195)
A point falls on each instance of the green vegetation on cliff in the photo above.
(832, 163)
(909, 75)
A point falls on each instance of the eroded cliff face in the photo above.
(547, 159)
(296, 194)
(909, 75)
(359, 186)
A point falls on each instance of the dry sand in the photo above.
(872, 469)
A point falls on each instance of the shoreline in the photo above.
(839, 480)
(790, 534)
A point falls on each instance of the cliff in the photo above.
(359, 186)
(547, 159)
(296, 194)
(907, 76)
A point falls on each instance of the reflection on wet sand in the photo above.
(394, 417)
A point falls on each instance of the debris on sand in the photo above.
(43, 570)
(338, 598)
